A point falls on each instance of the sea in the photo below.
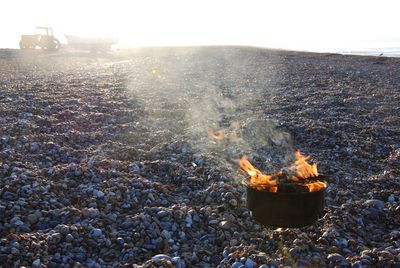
(368, 48)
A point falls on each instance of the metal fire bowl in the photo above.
(286, 210)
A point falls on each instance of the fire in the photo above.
(217, 135)
(315, 186)
(301, 169)
(257, 179)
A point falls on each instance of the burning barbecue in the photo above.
(300, 177)
(292, 197)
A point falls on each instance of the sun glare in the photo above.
(286, 24)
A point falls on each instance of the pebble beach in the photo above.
(106, 160)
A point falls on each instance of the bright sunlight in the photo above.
(304, 25)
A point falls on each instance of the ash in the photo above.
(105, 161)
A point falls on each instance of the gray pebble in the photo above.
(98, 193)
(357, 264)
(237, 265)
(335, 257)
(225, 253)
(366, 261)
(36, 263)
(379, 204)
(225, 225)
(5, 167)
(178, 262)
(342, 242)
(344, 263)
(69, 238)
(14, 251)
(8, 196)
(162, 213)
(166, 234)
(55, 238)
(249, 263)
(96, 232)
(34, 146)
(233, 202)
(134, 167)
(213, 222)
(175, 260)
(32, 218)
(18, 223)
(62, 228)
(188, 220)
(158, 258)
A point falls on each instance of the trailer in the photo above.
(94, 45)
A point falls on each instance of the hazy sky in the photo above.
(297, 24)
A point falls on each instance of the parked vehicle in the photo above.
(42, 38)
(92, 44)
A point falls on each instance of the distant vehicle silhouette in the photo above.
(92, 44)
(42, 38)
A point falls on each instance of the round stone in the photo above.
(158, 259)
(36, 263)
(96, 232)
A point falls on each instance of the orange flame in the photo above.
(302, 170)
(217, 135)
(257, 179)
(315, 186)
